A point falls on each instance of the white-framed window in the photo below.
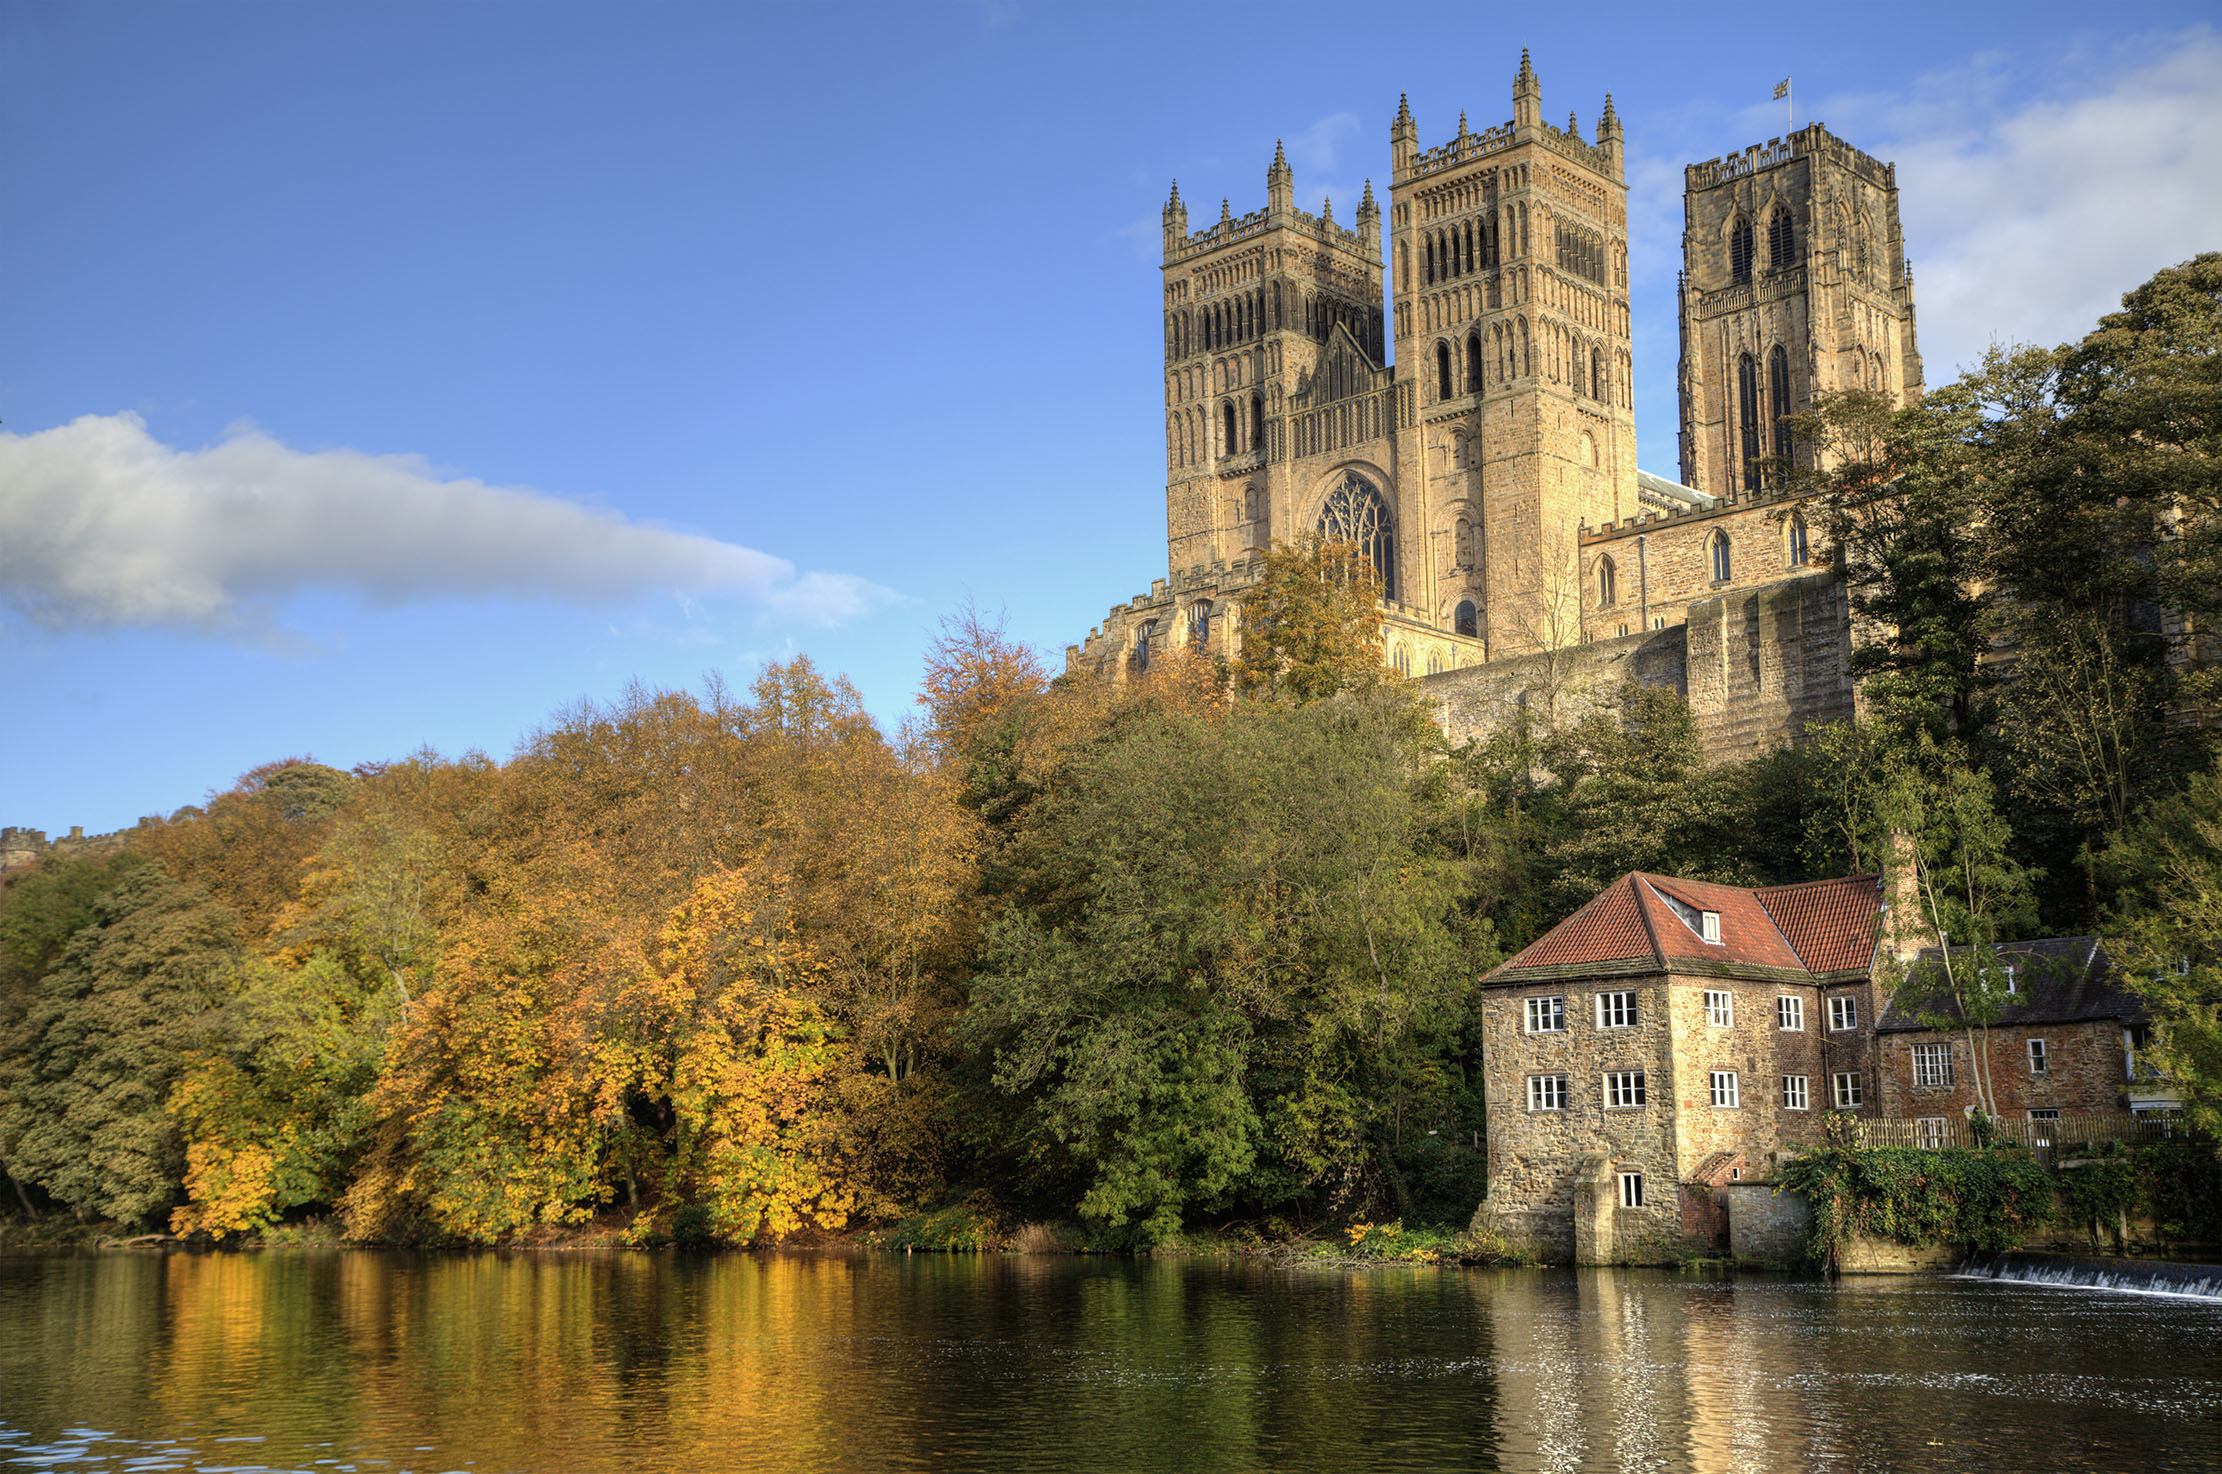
(1928, 1132)
(1790, 1013)
(1932, 1065)
(2013, 983)
(1547, 1015)
(1616, 1010)
(1631, 1189)
(2040, 1060)
(1720, 1008)
(1546, 1092)
(1844, 1090)
(1724, 1089)
(1623, 1089)
(1793, 1092)
(1709, 925)
(1843, 1013)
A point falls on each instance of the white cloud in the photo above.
(103, 525)
(2026, 221)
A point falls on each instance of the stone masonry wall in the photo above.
(2085, 1070)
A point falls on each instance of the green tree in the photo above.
(85, 1079)
(1957, 890)
(2165, 935)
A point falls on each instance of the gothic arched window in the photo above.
(1354, 513)
(1231, 442)
(1199, 622)
(1142, 637)
(1747, 404)
(1257, 421)
(1778, 392)
(1444, 388)
(1597, 376)
(1402, 660)
(1795, 538)
(1739, 250)
(1467, 620)
(1473, 363)
(1608, 591)
(1719, 557)
(1781, 240)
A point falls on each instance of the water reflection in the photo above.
(361, 1360)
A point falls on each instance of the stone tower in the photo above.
(1257, 310)
(1509, 253)
(1794, 282)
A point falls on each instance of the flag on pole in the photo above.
(1782, 89)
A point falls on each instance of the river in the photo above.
(361, 1360)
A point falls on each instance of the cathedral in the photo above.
(1488, 467)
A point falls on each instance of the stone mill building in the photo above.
(1449, 388)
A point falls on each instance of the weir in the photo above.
(2124, 1276)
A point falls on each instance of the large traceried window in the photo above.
(1355, 513)
(1781, 240)
(1747, 414)
(1739, 250)
(1778, 395)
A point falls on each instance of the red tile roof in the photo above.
(1820, 926)
(1831, 923)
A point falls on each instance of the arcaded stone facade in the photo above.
(1489, 467)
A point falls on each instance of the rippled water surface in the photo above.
(372, 1361)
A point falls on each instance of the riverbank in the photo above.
(950, 1230)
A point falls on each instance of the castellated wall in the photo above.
(1757, 665)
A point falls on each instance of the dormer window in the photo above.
(2013, 984)
(1709, 925)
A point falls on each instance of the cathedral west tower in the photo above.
(1509, 250)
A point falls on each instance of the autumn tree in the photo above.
(1311, 626)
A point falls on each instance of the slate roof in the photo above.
(2063, 980)
(1649, 923)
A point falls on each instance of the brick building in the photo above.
(1673, 1037)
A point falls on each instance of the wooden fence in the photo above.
(2055, 1138)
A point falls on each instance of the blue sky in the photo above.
(382, 376)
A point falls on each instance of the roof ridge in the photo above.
(1643, 913)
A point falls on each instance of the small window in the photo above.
(1616, 1010)
(1930, 1133)
(1793, 1093)
(1467, 620)
(1790, 1014)
(2040, 1062)
(1843, 1013)
(1546, 1015)
(1607, 584)
(1546, 1092)
(1844, 1089)
(1932, 1065)
(1722, 563)
(1709, 925)
(1623, 1089)
(1724, 1089)
(1631, 1189)
(1720, 1008)
(1797, 542)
